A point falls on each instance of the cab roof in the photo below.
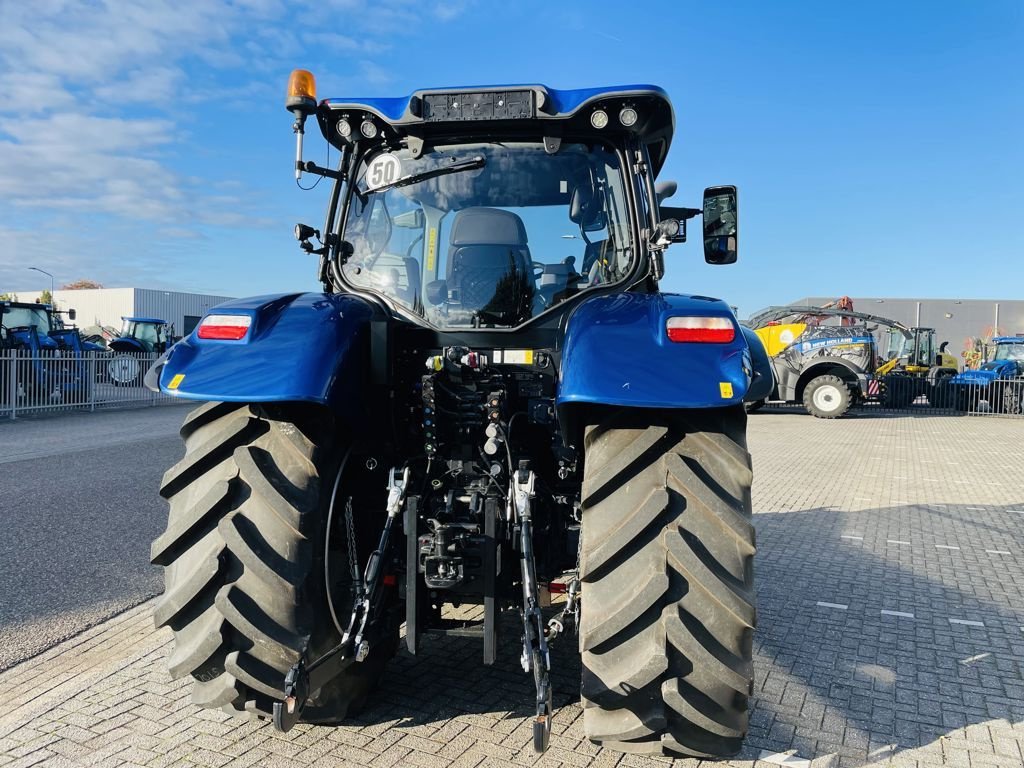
(144, 320)
(498, 108)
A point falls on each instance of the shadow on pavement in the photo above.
(844, 687)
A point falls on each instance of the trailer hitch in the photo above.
(302, 681)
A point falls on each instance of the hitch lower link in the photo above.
(304, 681)
(537, 637)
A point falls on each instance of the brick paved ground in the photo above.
(891, 633)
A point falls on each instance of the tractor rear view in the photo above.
(139, 338)
(483, 406)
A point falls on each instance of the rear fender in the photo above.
(300, 347)
(617, 352)
(763, 382)
(126, 345)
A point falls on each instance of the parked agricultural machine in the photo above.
(490, 401)
(998, 382)
(139, 336)
(51, 360)
(829, 368)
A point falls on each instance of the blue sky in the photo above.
(877, 145)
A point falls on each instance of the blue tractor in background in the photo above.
(55, 366)
(999, 382)
(490, 400)
(139, 338)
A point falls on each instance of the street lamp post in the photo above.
(37, 269)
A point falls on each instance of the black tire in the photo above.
(899, 392)
(941, 394)
(667, 606)
(964, 398)
(243, 558)
(827, 397)
(1011, 399)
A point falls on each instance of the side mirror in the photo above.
(71, 314)
(720, 225)
(437, 292)
(663, 190)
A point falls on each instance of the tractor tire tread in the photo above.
(667, 571)
(234, 555)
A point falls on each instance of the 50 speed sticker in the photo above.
(383, 169)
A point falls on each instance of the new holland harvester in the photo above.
(490, 401)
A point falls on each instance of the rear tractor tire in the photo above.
(243, 558)
(827, 397)
(667, 600)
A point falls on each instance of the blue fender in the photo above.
(126, 344)
(300, 347)
(763, 383)
(985, 375)
(617, 352)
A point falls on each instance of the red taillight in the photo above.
(229, 327)
(706, 330)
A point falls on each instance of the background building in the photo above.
(106, 306)
(958, 321)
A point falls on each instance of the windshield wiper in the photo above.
(464, 165)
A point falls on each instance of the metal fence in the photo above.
(900, 394)
(65, 381)
(998, 397)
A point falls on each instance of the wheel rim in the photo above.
(123, 369)
(1011, 401)
(827, 398)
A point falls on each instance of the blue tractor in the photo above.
(54, 366)
(999, 382)
(490, 401)
(140, 337)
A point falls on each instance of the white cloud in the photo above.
(96, 113)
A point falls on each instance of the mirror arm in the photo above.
(683, 214)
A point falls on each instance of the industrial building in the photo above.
(961, 322)
(104, 307)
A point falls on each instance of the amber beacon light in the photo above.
(301, 91)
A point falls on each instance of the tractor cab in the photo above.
(914, 351)
(27, 326)
(141, 334)
(497, 208)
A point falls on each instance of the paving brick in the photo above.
(844, 688)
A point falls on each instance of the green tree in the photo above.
(8, 297)
(45, 297)
(80, 285)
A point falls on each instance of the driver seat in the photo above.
(488, 246)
